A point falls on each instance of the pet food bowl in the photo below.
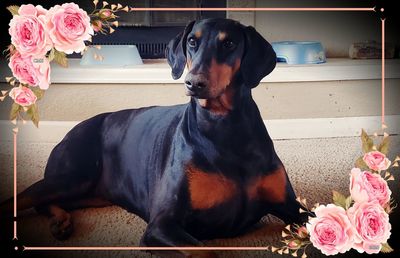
(112, 55)
(299, 52)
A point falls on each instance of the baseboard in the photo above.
(279, 129)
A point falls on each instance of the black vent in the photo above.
(151, 50)
(152, 40)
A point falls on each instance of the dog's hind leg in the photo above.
(46, 191)
(44, 195)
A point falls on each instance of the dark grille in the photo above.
(148, 50)
(152, 40)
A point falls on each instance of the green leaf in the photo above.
(38, 92)
(348, 202)
(360, 163)
(339, 199)
(13, 9)
(60, 58)
(386, 248)
(384, 146)
(51, 54)
(367, 142)
(15, 109)
(33, 114)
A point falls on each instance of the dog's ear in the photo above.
(176, 52)
(259, 59)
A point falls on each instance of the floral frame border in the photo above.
(18, 246)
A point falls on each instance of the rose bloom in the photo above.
(97, 25)
(23, 96)
(293, 245)
(367, 186)
(371, 226)
(376, 160)
(302, 232)
(331, 231)
(69, 26)
(28, 31)
(31, 70)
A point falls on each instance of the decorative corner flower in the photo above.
(28, 31)
(23, 96)
(331, 230)
(359, 221)
(371, 226)
(31, 70)
(69, 27)
(40, 36)
(376, 161)
(367, 186)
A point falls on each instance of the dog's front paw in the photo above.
(61, 227)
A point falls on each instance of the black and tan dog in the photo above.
(196, 171)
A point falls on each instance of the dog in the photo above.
(202, 170)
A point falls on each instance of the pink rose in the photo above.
(367, 186)
(69, 26)
(97, 25)
(371, 226)
(331, 231)
(31, 70)
(23, 96)
(293, 244)
(302, 232)
(376, 160)
(28, 31)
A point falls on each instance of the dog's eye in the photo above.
(192, 42)
(228, 44)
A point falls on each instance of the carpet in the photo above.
(315, 168)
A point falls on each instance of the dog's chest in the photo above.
(223, 207)
(209, 190)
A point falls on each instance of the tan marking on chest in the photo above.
(271, 187)
(208, 190)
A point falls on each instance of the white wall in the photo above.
(336, 30)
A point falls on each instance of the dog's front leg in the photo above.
(165, 232)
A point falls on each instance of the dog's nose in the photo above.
(195, 82)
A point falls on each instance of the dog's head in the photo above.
(220, 54)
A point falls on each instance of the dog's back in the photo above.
(135, 148)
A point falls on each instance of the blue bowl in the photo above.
(299, 52)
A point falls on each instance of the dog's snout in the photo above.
(195, 82)
(191, 85)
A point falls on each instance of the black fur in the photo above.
(137, 158)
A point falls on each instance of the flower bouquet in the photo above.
(40, 36)
(360, 220)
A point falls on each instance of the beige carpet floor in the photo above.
(315, 167)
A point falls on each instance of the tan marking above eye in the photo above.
(208, 189)
(198, 34)
(221, 35)
(271, 187)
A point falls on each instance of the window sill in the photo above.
(158, 71)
